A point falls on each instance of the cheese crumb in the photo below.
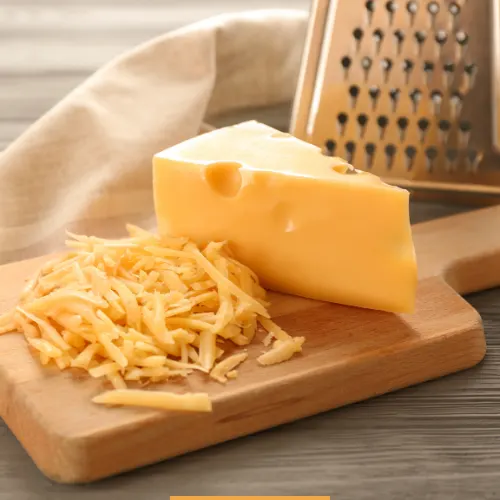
(156, 399)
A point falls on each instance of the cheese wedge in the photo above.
(307, 224)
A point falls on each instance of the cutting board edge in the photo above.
(85, 459)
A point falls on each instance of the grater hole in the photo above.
(362, 119)
(366, 64)
(456, 97)
(370, 9)
(431, 154)
(394, 96)
(374, 93)
(346, 62)
(465, 126)
(403, 123)
(420, 37)
(358, 34)
(412, 7)
(378, 34)
(415, 96)
(461, 37)
(342, 120)
(390, 153)
(391, 6)
(350, 149)
(354, 91)
(449, 67)
(473, 159)
(410, 153)
(444, 125)
(370, 149)
(400, 36)
(433, 8)
(423, 125)
(454, 8)
(437, 99)
(370, 6)
(330, 147)
(436, 95)
(428, 66)
(470, 69)
(390, 150)
(444, 129)
(441, 37)
(408, 65)
(382, 121)
(387, 65)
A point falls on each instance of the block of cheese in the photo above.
(307, 224)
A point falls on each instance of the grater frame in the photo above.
(473, 134)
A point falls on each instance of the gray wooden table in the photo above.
(440, 440)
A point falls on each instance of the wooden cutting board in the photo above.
(350, 355)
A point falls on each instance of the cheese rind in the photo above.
(307, 224)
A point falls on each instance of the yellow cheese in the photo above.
(307, 224)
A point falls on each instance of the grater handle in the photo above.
(463, 249)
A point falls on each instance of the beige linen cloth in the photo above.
(86, 165)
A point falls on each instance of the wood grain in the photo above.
(439, 440)
(350, 355)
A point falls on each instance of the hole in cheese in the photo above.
(224, 178)
(343, 168)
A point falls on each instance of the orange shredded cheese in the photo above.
(156, 399)
(222, 369)
(146, 309)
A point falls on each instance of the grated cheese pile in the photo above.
(146, 309)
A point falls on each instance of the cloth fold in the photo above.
(85, 166)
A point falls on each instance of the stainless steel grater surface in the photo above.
(406, 89)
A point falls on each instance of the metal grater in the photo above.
(408, 90)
